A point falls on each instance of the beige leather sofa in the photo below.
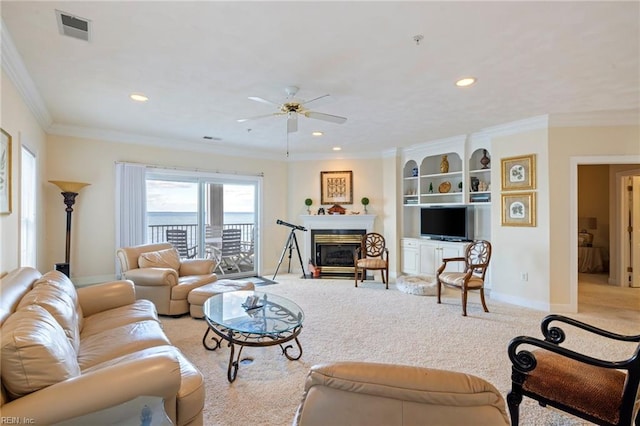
(359, 393)
(89, 356)
(162, 277)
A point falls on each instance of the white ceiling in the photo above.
(198, 62)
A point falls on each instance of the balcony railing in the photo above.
(157, 233)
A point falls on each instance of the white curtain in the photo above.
(131, 206)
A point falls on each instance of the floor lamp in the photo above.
(69, 192)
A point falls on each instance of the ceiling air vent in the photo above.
(73, 26)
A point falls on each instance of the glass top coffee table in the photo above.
(274, 320)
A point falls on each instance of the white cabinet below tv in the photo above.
(421, 256)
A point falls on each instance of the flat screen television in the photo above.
(448, 223)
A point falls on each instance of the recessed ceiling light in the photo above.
(337, 148)
(138, 97)
(464, 82)
(317, 133)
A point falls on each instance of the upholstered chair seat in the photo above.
(456, 279)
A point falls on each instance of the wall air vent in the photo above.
(73, 26)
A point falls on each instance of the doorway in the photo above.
(615, 228)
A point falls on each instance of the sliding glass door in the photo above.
(217, 215)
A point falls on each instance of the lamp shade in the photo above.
(69, 186)
(588, 223)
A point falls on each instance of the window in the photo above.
(28, 251)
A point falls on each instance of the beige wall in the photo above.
(518, 250)
(93, 242)
(565, 144)
(18, 121)
(593, 201)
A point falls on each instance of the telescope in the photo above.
(291, 225)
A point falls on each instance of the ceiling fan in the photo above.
(292, 107)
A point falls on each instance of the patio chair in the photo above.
(178, 239)
(228, 254)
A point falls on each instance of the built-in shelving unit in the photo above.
(480, 172)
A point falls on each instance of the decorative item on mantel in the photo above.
(337, 209)
(444, 165)
(365, 203)
(485, 160)
(308, 203)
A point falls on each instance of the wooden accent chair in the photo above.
(178, 239)
(602, 392)
(476, 261)
(372, 254)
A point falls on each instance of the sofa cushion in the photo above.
(35, 352)
(168, 258)
(120, 341)
(61, 281)
(140, 310)
(60, 306)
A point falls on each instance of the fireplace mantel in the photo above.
(342, 221)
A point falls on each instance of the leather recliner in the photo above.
(364, 393)
(162, 277)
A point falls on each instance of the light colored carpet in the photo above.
(369, 323)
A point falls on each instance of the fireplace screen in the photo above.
(334, 249)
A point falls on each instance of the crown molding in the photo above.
(129, 138)
(339, 155)
(15, 69)
(628, 117)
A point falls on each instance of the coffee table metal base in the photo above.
(249, 339)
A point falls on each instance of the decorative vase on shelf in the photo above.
(485, 160)
(444, 165)
(431, 188)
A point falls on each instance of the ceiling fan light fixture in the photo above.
(465, 82)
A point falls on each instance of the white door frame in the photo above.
(574, 162)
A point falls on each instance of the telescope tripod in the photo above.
(289, 245)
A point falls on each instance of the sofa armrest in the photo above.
(152, 276)
(196, 267)
(156, 375)
(105, 296)
(386, 392)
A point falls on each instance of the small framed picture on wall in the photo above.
(336, 187)
(519, 173)
(519, 209)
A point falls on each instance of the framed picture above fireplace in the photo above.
(336, 187)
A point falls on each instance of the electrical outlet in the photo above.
(524, 276)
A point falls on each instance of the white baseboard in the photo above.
(519, 301)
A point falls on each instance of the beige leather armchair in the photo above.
(162, 277)
(360, 393)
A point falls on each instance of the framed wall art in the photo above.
(519, 173)
(336, 187)
(519, 209)
(5, 173)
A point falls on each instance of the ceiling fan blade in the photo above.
(242, 120)
(326, 117)
(314, 99)
(292, 122)
(262, 100)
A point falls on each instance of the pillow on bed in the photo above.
(168, 258)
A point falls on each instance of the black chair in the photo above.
(178, 238)
(602, 392)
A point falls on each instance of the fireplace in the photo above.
(333, 250)
(339, 237)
